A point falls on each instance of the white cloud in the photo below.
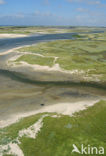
(19, 15)
(82, 10)
(84, 16)
(46, 2)
(91, 19)
(90, 2)
(37, 13)
(46, 14)
(75, 1)
(2, 2)
(15, 16)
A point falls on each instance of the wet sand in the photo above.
(18, 96)
(23, 90)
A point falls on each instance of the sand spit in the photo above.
(61, 108)
(14, 49)
(12, 35)
(9, 51)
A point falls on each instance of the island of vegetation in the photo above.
(54, 93)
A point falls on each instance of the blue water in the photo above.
(7, 44)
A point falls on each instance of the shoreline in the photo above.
(60, 108)
(11, 35)
(8, 51)
(11, 50)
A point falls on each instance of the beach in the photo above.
(21, 97)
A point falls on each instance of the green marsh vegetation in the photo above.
(80, 54)
(57, 135)
(86, 53)
(39, 60)
(45, 29)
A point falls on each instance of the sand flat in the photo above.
(11, 35)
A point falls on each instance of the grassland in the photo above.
(58, 134)
(31, 59)
(80, 54)
(94, 36)
(45, 29)
(86, 53)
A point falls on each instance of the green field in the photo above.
(58, 134)
(31, 59)
(80, 54)
(84, 58)
(46, 29)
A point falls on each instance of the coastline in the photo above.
(60, 108)
(11, 50)
(6, 35)
(66, 108)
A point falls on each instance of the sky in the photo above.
(53, 12)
